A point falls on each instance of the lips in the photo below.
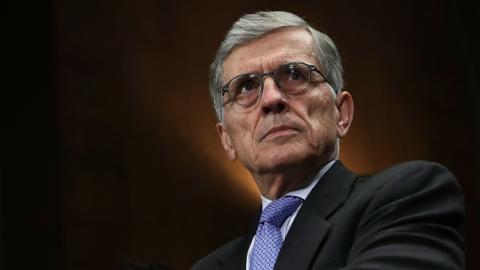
(278, 130)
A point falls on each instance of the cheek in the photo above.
(321, 110)
(242, 142)
(321, 116)
(240, 132)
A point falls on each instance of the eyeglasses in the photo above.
(292, 78)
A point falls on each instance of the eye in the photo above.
(297, 73)
(292, 76)
(245, 85)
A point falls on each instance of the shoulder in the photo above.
(420, 168)
(413, 211)
(215, 259)
(415, 191)
(411, 177)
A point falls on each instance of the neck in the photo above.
(276, 183)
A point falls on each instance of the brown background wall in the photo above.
(112, 153)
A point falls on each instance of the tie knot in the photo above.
(277, 211)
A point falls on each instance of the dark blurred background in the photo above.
(109, 149)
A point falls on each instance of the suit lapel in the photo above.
(310, 228)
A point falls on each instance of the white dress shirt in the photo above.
(302, 193)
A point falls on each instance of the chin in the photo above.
(280, 159)
(294, 156)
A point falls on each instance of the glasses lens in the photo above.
(244, 89)
(293, 77)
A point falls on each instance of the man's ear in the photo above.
(344, 103)
(226, 142)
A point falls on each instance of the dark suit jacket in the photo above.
(409, 216)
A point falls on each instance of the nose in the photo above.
(272, 99)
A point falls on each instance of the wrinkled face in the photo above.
(279, 130)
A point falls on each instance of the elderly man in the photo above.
(276, 86)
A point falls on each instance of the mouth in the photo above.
(278, 131)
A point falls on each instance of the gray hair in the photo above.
(253, 26)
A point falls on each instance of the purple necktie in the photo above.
(268, 239)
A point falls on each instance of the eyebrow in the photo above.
(275, 63)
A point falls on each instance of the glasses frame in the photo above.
(262, 77)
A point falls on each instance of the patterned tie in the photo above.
(268, 239)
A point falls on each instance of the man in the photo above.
(276, 86)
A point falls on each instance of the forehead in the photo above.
(266, 53)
